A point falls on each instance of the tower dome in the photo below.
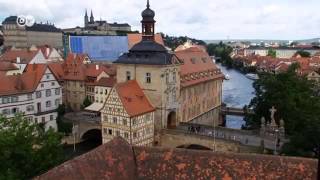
(148, 14)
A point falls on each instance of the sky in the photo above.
(201, 19)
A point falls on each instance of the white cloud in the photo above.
(204, 19)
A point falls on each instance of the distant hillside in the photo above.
(307, 41)
(174, 42)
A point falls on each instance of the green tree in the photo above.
(272, 53)
(296, 103)
(303, 53)
(63, 127)
(26, 149)
(86, 103)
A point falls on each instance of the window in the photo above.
(174, 76)
(42, 85)
(118, 133)
(14, 110)
(48, 93)
(128, 75)
(51, 117)
(6, 100)
(110, 131)
(105, 130)
(48, 104)
(134, 134)
(30, 108)
(36, 120)
(126, 135)
(29, 97)
(193, 60)
(38, 94)
(124, 122)
(115, 120)
(43, 119)
(52, 84)
(57, 91)
(167, 77)
(148, 78)
(134, 122)
(5, 111)
(57, 102)
(14, 99)
(105, 91)
(48, 76)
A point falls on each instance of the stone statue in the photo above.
(273, 111)
(281, 123)
(263, 121)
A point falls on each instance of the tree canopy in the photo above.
(272, 53)
(223, 51)
(27, 149)
(296, 103)
(303, 53)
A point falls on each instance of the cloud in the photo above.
(203, 19)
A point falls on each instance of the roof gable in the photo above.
(133, 98)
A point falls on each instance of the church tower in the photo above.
(155, 70)
(91, 18)
(86, 19)
(148, 23)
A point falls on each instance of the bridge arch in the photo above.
(172, 120)
(194, 147)
(92, 135)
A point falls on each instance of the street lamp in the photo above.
(276, 141)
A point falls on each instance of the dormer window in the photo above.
(148, 78)
(193, 60)
(128, 75)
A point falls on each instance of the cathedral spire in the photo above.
(91, 17)
(86, 19)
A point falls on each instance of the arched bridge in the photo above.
(86, 126)
(236, 111)
(224, 139)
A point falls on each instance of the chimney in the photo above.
(18, 60)
(97, 66)
(47, 51)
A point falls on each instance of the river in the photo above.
(236, 92)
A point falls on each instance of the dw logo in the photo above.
(25, 20)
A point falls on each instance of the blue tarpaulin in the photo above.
(99, 48)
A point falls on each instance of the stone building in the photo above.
(155, 70)
(77, 76)
(200, 87)
(25, 37)
(129, 114)
(101, 27)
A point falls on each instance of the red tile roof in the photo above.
(118, 160)
(135, 38)
(133, 99)
(25, 83)
(25, 55)
(7, 66)
(106, 82)
(195, 60)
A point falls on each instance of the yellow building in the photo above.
(201, 86)
(128, 113)
(155, 70)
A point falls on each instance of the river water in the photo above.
(236, 92)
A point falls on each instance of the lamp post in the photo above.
(276, 141)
